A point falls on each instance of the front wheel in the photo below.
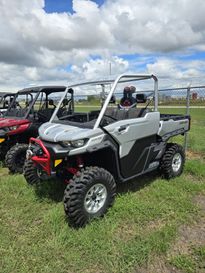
(173, 160)
(15, 158)
(4, 147)
(33, 174)
(89, 195)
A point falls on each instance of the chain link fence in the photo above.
(187, 101)
(190, 97)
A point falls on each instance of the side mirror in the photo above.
(70, 90)
(113, 99)
(141, 98)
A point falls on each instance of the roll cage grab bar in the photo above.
(120, 79)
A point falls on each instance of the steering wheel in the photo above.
(107, 122)
(110, 117)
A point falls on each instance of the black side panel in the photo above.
(174, 117)
(134, 162)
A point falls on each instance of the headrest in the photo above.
(129, 90)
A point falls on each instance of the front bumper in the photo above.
(47, 155)
(43, 160)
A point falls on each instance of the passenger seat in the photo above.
(118, 114)
(137, 112)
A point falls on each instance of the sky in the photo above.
(64, 41)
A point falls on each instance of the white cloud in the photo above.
(174, 72)
(157, 26)
(101, 68)
(34, 44)
(16, 76)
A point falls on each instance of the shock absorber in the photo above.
(74, 170)
(80, 162)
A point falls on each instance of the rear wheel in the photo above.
(89, 195)
(173, 160)
(15, 158)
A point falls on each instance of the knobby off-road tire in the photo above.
(173, 160)
(89, 195)
(3, 151)
(15, 158)
(31, 173)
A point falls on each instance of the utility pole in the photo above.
(110, 71)
(110, 68)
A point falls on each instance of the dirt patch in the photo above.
(194, 155)
(200, 201)
(155, 225)
(128, 231)
(188, 238)
(194, 235)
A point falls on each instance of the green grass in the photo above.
(184, 262)
(143, 223)
(83, 108)
(192, 262)
(35, 237)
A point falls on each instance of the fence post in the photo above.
(187, 113)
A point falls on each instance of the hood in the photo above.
(8, 122)
(55, 132)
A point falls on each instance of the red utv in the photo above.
(29, 109)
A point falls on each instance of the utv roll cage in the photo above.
(35, 90)
(120, 79)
